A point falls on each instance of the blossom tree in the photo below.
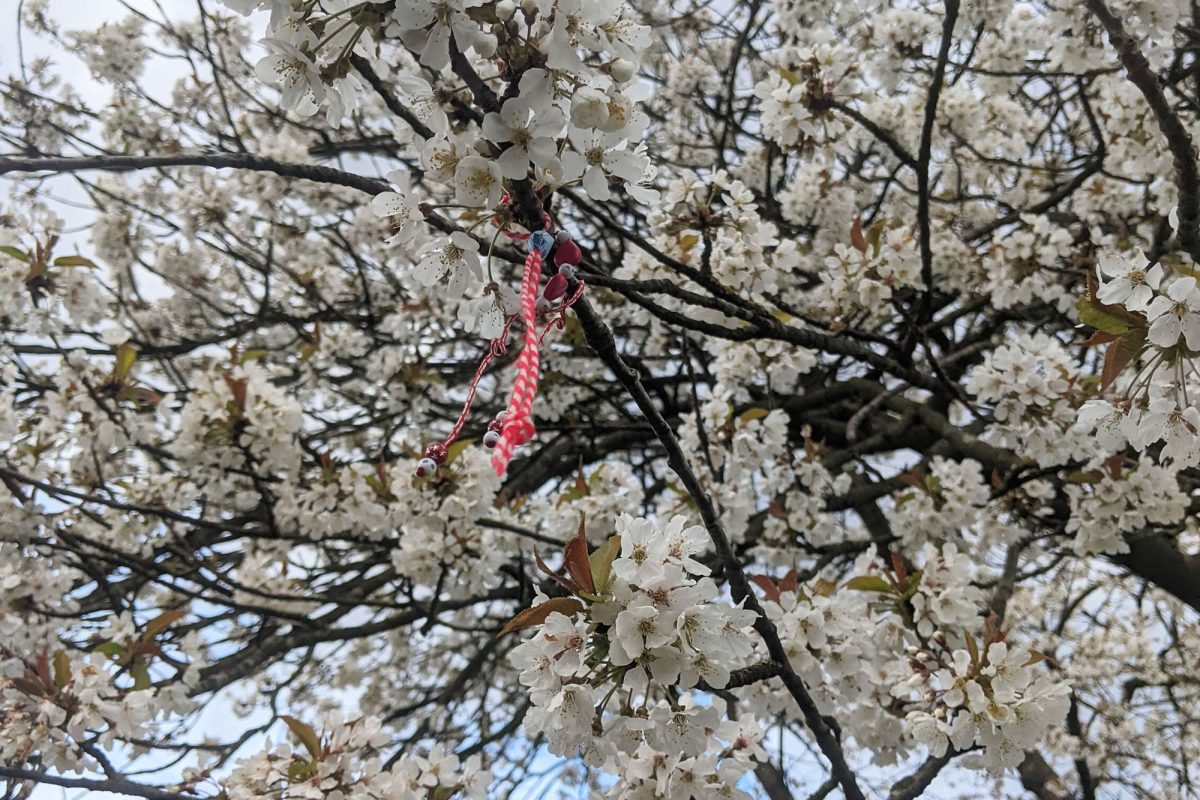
(604, 398)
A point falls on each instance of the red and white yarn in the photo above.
(514, 426)
(518, 424)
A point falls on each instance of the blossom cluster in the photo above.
(339, 759)
(54, 701)
(992, 699)
(1149, 317)
(614, 673)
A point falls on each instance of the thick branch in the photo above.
(115, 785)
(311, 172)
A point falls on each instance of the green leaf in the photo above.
(751, 414)
(455, 450)
(113, 650)
(252, 354)
(307, 736)
(868, 583)
(300, 770)
(1085, 477)
(1114, 320)
(126, 355)
(973, 649)
(601, 562)
(875, 236)
(62, 669)
(74, 261)
(141, 675)
(15, 252)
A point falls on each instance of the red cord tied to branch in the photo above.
(514, 426)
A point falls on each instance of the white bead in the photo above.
(491, 439)
(567, 271)
(426, 467)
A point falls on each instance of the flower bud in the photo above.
(622, 70)
(485, 45)
(589, 108)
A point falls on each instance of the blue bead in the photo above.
(541, 241)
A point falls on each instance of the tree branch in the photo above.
(601, 340)
(1179, 141)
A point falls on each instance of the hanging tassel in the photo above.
(518, 423)
(514, 426)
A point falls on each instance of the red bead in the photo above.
(568, 253)
(436, 452)
(556, 287)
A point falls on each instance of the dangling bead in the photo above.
(562, 236)
(567, 271)
(556, 287)
(491, 439)
(426, 467)
(437, 453)
(567, 253)
(540, 241)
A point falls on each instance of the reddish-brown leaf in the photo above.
(237, 387)
(789, 582)
(914, 477)
(1115, 464)
(1100, 337)
(997, 479)
(29, 686)
(537, 614)
(898, 567)
(575, 556)
(43, 669)
(559, 579)
(767, 585)
(857, 240)
(163, 621)
(1119, 354)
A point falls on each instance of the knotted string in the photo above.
(518, 424)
